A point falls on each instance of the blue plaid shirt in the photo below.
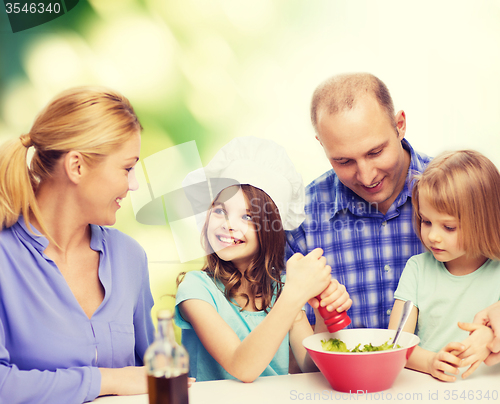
(366, 249)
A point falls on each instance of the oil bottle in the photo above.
(167, 365)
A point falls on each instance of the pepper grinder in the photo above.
(334, 320)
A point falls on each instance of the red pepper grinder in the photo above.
(334, 320)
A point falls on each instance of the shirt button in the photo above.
(387, 268)
(389, 312)
(384, 223)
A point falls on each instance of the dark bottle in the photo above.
(167, 365)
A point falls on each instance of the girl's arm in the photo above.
(246, 360)
(436, 364)
(301, 329)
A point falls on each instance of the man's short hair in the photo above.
(340, 93)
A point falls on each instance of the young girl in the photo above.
(457, 215)
(238, 315)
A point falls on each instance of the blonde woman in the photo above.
(74, 295)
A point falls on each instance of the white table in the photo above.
(409, 387)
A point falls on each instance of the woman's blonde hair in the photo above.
(466, 185)
(94, 121)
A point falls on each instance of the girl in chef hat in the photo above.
(456, 203)
(238, 316)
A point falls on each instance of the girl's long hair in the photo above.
(264, 271)
(93, 121)
(466, 185)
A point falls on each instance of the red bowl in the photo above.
(361, 371)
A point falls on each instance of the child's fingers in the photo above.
(454, 348)
(444, 377)
(469, 360)
(335, 297)
(448, 357)
(470, 327)
(471, 370)
(467, 352)
(313, 302)
(295, 257)
(330, 293)
(440, 369)
(444, 368)
(341, 299)
(316, 253)
(345, 306)
(456, 353)
(450, 360)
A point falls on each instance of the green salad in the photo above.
(336, 345)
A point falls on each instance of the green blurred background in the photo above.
(211, 70)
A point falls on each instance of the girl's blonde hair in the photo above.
(91, 120)
(466, 185)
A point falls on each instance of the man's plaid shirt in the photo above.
(366, 249)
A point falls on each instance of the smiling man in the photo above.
(360, 212)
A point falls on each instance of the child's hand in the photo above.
(308, 276)
(446, 360)
(476, 346)
(334, 297)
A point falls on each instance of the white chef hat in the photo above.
(261, 163)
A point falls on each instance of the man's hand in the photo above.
(491, 318)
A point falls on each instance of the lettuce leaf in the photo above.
(336, 345)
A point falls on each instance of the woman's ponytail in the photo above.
(17, 195)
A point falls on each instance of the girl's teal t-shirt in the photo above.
(444, 299)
